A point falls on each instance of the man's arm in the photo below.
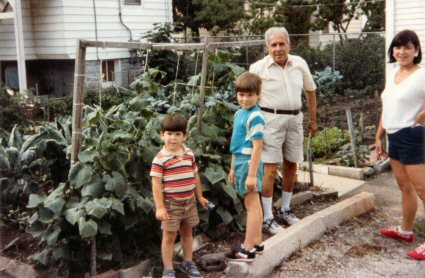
(311, 100)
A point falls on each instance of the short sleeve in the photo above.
(157, 169)
(309, 84)
(255, 126)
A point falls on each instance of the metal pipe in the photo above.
(122, 22)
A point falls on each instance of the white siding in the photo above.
(51, 27)
(43, 30)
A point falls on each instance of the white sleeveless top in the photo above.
(402, 102)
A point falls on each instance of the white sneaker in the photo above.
(271, 227)
(288, 216)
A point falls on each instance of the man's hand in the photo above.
(161, 214)
(312, 127)
(251, 183)
(203, 201)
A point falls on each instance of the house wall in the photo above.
(51, 27)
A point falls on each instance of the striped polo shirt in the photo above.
(177, 173)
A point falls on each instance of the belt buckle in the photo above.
(274, 109)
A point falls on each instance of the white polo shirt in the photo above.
(282, 87)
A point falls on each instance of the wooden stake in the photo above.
(77, 100)
(352, 136)
(203, 83)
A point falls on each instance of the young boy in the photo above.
(246, 171)
(175, 182)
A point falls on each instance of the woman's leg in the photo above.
(409, 199)
(416, 175)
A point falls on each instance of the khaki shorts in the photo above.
(283, 138)
(180, 212)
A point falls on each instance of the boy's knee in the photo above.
(169, 237)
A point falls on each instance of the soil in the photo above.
(353, 249)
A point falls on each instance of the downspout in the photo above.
(123, 24)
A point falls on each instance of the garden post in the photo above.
(77, 100)
(202, 87)
(352, 136)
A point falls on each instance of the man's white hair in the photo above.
(274, 30)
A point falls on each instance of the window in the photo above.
(132, 2)
(108, 70)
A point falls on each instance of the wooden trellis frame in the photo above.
(80, 60)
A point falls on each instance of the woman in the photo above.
(403, 118)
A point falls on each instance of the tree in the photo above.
(375, 12)
(209, 14)
(337, 12)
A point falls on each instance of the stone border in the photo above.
(308, 230)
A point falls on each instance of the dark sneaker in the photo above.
(241, 255)
(168, 273)
(418, 253)
(190, 269)
(394, 232)
(271, 227)
(259, 248)
(288, 217)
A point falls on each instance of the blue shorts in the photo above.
(241, 168)
(408, 145)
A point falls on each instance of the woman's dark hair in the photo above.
(402, 39)
(174, 122)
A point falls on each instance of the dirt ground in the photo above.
(356, 249)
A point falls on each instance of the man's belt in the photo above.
(277, 111)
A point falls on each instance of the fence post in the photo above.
(352, 136)
(77, 100)
(202, 87)
(333, 52)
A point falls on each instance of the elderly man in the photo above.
(284, 78)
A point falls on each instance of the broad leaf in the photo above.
(88, 155)
(93, 188)
(55, 204)
(35, 200)
(52, 238)
(215, 175)
(87, 228)
(105, 228)
(72, 215)
(116, 183)
(96, 209)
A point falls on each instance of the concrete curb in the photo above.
(341, 171)
(308, 230)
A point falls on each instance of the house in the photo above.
(401, 15)
(48, 34)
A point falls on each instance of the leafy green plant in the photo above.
(327, 141)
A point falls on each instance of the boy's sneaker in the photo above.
(394, 232)
(288, 216)
(241, 255)
(190, 269)
(168, 273)
(259, 248)
(271, 227)
(418, 253)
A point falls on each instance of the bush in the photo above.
(10, 112)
